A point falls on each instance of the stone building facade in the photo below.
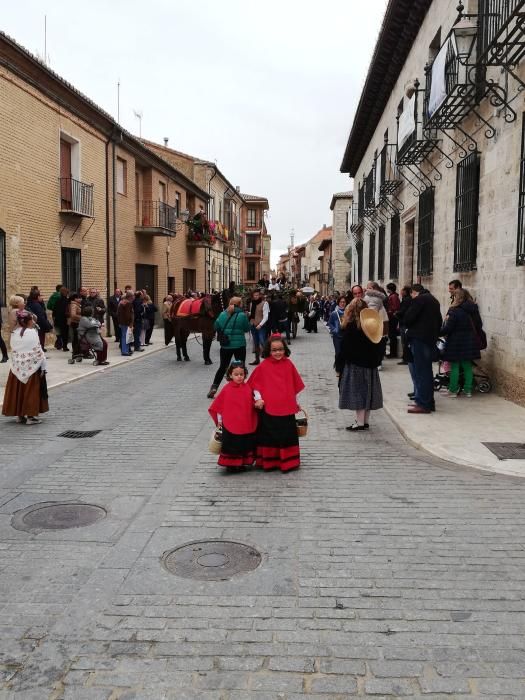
(436, 151)
(311, 262)
(341, 207)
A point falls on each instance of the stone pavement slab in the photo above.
(385, 571)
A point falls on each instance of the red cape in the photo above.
(235, 404)
(278, 382)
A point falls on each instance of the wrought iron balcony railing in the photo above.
(76, 197)
(389, 179)
(155, 217)
(501, 36)
(414, 143)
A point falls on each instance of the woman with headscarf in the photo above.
(26, 391)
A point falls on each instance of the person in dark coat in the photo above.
(461, 327)
(423, 323)
(35, 304)
(60, 316)
(312, 314)
(279, 316)
(139, 311)
(406, 300)
(149, 317)
(113, 302)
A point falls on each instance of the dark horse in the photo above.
(200, 322)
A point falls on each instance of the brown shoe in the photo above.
(417, 409)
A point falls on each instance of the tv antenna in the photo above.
(139, 117)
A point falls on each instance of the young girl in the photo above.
(234, 410)
(277, 382)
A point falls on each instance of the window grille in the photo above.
(381, 253)
(361, 202)
(466, 223)
(372, 256)
(520, 247)
(425, 239)
(394, 247)
(71, 268)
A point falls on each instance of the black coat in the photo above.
(460, 328)
(357, 349)
(423, 319)
(114, 301)
(60, 310)
(39, 310)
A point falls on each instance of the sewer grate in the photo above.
(57, 516)
(211, 560)
(79, 433)
(507, 450)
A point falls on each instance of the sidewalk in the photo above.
(459, 427)
(59, 371)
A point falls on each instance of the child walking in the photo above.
(277, 382)
(234, 411)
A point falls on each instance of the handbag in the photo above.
(215, 443)
(222, 337)
(480, 334)
(129, 336)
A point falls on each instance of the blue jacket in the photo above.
(334, 322)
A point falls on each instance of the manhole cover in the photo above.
(57, 516)
(75, 434)
(507, 450)
(211, 560)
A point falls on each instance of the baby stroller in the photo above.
(482, 381)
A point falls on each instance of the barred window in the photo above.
(394, 246)
(359, 251)
(425, 238)
(71, 268)
(372, 256)
(520, 247)
(466, 224)
(381, 254)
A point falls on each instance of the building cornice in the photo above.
(401, 24)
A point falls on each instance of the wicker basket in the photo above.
(302, 424)
(215, 441)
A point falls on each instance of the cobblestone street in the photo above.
(385, 573)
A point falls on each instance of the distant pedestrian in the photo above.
(166, 318)
(149, 318)
(26, 389)
(35, 304)
(277, 382)
(232, 324)
(16, 303)
(89, 332)
(393, 305)
(113, 302)
(74, 316)
(233, 410)
(334, 324)
(60, 313)
(125, 317)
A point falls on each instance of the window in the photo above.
(381, 254)
(520, 249)
(177, 204)
(171, 285)
(359, 251)
(122, 176)
(394, 246)
(162, 192)
(252, 218)
(189, 279)
(71, 268)
(425, 238)
(252, 244)
(250, 271)
(372, 256)
(466, 224)
(3, 269)
(434, 46)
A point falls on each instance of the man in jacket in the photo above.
(113, 302)
(97, 304)
(125, 318)
(423, 322)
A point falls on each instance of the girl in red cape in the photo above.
(277, 382)
(234, 410)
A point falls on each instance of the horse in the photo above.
(197, 316)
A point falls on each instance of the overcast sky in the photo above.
(266, 89)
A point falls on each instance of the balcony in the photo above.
(501, 36)
(414, 143)
(451, 90)
(155, 218)
(389, 179)
(76, 198)
(201, 232)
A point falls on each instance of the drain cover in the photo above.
(57, 516)
(507, 450)
(211, 560)
(75, 434)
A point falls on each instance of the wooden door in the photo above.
(65, 175)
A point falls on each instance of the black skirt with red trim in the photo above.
(277, 443)
(237, 450)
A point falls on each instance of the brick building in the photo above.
(341, 207)
(256, 241)
(81, 199)
(437, 153)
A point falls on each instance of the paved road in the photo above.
(384, 573)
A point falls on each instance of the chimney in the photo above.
(166, 141)
(324, 226)
(238, 188)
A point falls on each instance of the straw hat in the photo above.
(371, 324)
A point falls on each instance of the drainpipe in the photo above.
(108, 268)
(114, 211)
